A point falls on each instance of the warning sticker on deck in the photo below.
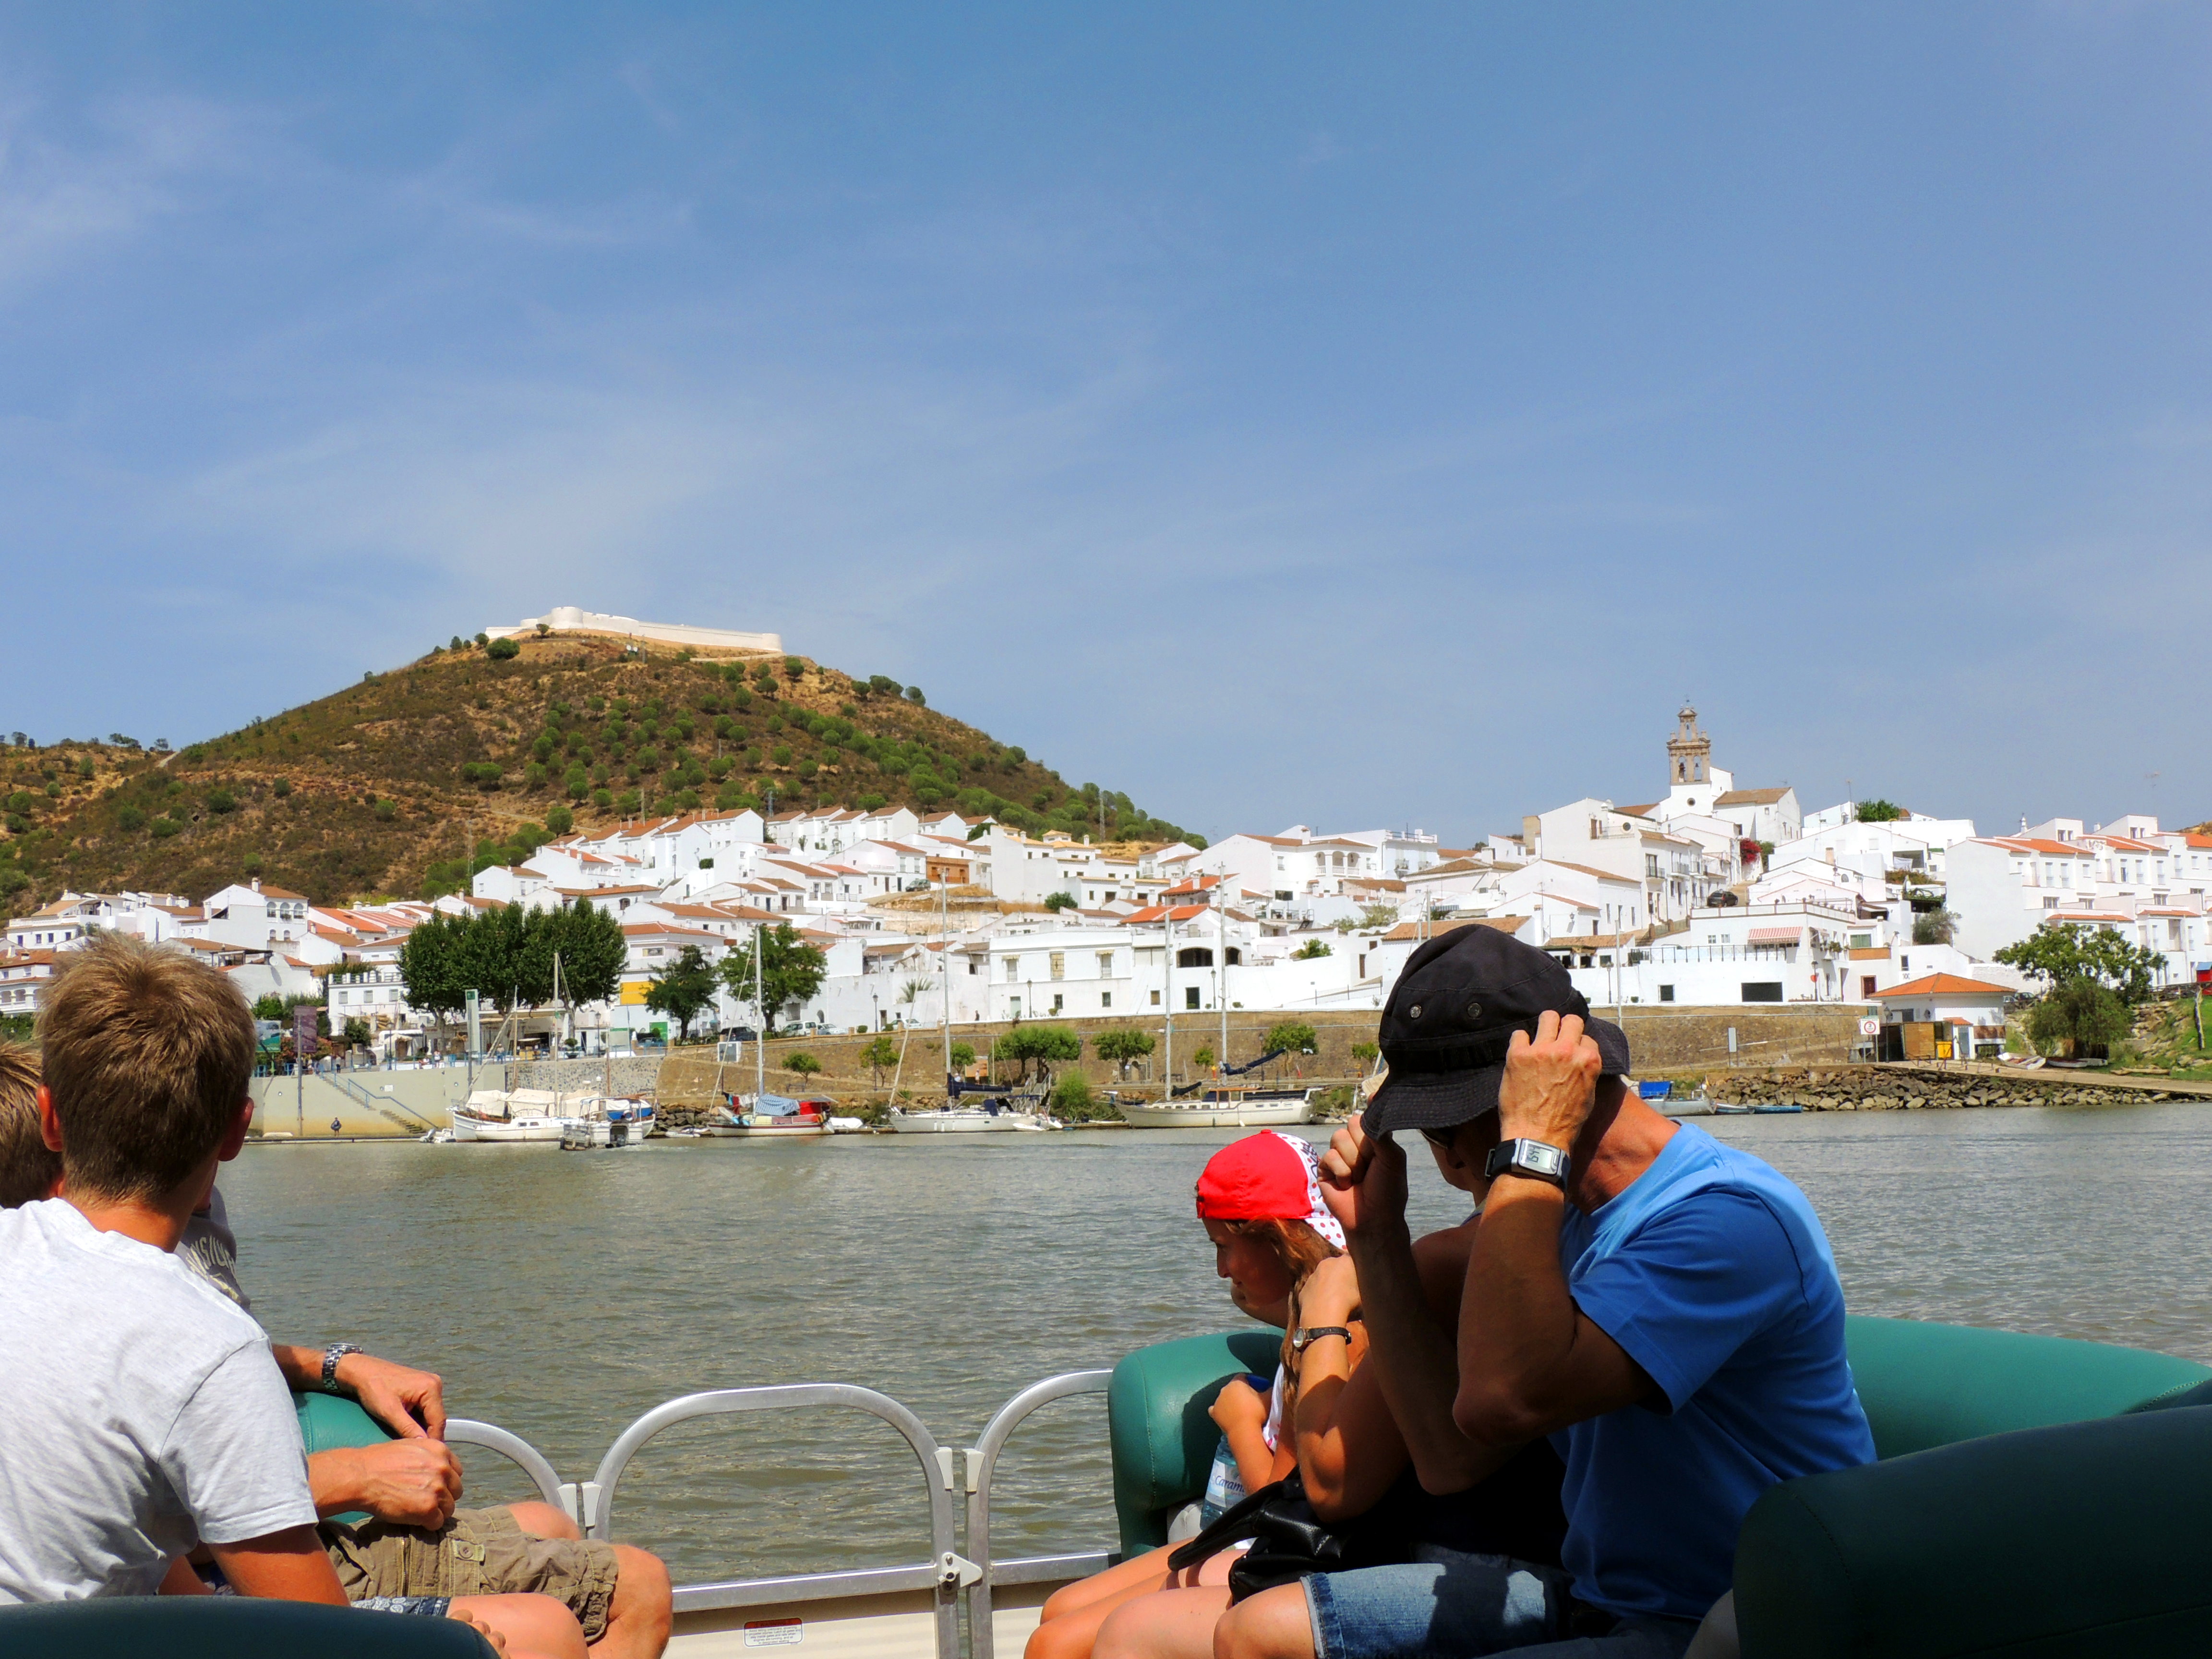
(774, 1632)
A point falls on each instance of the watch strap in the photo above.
(1306, 1336)
(1534, 1160)
(332, 1355)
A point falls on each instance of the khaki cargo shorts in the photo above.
(478, 1553)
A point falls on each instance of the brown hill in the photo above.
(385, 788)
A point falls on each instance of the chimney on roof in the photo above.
(257, 884)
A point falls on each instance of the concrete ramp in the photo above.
(397, 1105)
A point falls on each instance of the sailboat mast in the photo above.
(1167, 995)
(760, 1013)
(1221, 983)
(944, 967)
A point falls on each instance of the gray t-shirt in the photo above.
(209, 1248)
(139, 1411)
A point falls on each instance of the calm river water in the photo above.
(562, 1295)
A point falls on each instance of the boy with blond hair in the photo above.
(145, 1412)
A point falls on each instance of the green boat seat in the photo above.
(1923, 1385)
(2088, 1539)
(1163, 1441)
(328, 1421)
(226, 1627)
(1926, 1385)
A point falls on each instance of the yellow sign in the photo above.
(633, 993)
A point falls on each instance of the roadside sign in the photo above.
(303, 1028)
(1869, 1027)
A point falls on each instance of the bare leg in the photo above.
(1072, 1633)
(1275, 1624)
(1147, 1572)
(542, 1520)
(638, 1619)
(1176, 1624)
(532, 1626)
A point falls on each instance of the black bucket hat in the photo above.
(1452, 1016)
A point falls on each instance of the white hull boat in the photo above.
(607, 1120)
(1254, 1109)
(494, 1115)
(739, 1122)
(510, 1131)
(766, 1128)
(961, 1121)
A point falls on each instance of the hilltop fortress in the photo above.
(567, 619)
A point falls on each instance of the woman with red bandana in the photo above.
(1260, 1199)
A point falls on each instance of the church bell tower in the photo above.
(1689, 752)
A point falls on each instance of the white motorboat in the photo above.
(1225, 1109)
(768, 1117)
(606, 1120)
(508, 1115)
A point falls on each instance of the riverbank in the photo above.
(1895, 1088)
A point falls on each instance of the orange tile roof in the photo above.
(1752, 797)
(2028, 843)
(1944, 985)
(1154, 913)
(1591, 870)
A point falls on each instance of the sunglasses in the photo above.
(1442, 1137)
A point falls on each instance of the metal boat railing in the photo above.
(950, 1576)
(981, 1461)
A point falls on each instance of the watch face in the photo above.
(1537, 1156)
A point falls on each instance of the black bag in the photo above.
(1289, 1540)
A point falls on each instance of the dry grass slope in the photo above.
(383, 788)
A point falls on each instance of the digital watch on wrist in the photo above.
(1535, 1159)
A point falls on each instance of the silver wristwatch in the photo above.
(332, 1355)
(1535, 1159)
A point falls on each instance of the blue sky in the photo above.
(1281, 413)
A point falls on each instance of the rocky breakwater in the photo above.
(1909, 1088)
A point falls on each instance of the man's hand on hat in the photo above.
(1363, 1181)
(1550, 1083)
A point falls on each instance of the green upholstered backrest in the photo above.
(1925, 1385)
(1163, 1441)
(328, 1421)
(2088, 1541)
(226, 1627)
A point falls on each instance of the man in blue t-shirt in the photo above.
(1664, 1307)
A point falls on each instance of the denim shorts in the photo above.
(1450, 1606)
(419, 1607)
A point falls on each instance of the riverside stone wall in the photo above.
(609, 1076)
(1909, 1088)
(1664, 1041)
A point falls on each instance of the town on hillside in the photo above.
(1709, 894)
